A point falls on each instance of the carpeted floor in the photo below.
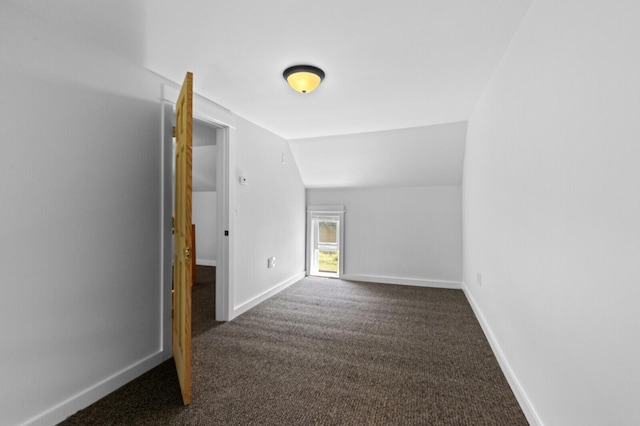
(326, 352)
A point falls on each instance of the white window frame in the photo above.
(332, 213)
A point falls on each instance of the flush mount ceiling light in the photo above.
(303, 78)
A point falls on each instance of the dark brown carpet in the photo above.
(327, 352)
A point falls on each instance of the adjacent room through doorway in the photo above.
(204, 210)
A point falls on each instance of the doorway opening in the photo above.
(221, 122)
(204, 214)
(325, 231)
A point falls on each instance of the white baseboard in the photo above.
(244, 307)
(403, 281)
(83, 399)
(205, 262)
(519, 392)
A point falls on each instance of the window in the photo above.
(324, 241)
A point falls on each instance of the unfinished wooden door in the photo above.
(183, 244)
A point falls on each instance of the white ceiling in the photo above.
(402, 76)
(389, 64)
(420, 156)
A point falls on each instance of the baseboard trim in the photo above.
(244, 307)
(205, 262)
(525, 403)
(83, 399)
(403, 281)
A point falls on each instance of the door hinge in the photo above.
(174, 131)
(226, 233)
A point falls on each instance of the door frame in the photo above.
(329, 211)
(211, 113)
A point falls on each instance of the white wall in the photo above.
(203, 215)
(80, 181)
(80, 189)
(269, 216)
(400, 235)
(204, 195)
(551, 212)
(203, 176)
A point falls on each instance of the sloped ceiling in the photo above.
(389, 64)
(420, 156)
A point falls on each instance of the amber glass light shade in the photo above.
(303, 78)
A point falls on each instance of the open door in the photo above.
(183, 244)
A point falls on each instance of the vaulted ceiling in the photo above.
(418, 156)
(389, 64)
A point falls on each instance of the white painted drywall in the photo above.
(552, 207)
(269, 215)
(203, 215)
(205, 153)
(204, 134)
(80, 190)
(400, 235)
(419, 156)
(80, 179)
(203, 176)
